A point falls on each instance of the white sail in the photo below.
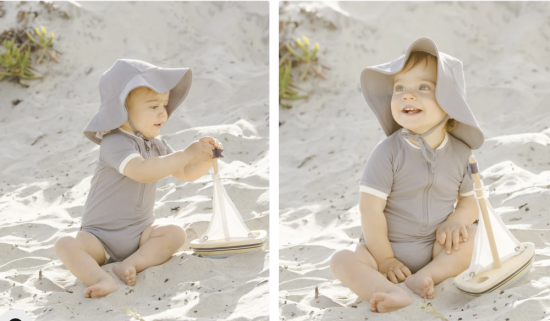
(226, 222)
(507, 245)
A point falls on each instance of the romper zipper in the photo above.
(140, 197)
(425, 199)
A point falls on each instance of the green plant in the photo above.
(133, 314)
(15, 63)
(285, 82)
(290, 59)
(307, 55)
(44, 43)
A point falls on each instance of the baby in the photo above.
(412, 181)
(137, 99)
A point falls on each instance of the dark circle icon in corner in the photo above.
(15, 315)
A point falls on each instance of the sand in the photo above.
(325, 143)
(47, 163)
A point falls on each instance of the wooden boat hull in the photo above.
(223, 248)
(494, 279)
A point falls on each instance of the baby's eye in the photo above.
(424, 86)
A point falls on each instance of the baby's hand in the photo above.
(212, 141)
(198, 151)
(449, 233)
(394, 270)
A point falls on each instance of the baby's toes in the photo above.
(88, 292)
(373, 305)
(431, 293)
(130, 275)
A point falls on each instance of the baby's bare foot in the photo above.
(387, 302)
(422, 284)
(126, 272)
(101, 288)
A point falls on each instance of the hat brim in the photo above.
(377, 88)
(161, 80)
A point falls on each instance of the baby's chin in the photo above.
(151, 134)
(417, 128)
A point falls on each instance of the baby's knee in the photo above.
(339, 261)
(177, 234)
(64, 244)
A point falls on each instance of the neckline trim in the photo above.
(443, 143)
(125, 131)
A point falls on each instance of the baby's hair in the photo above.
(146, 90)
(415, 58)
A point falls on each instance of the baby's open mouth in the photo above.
(411, 111)
(159, 125)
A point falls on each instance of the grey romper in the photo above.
(118, 208)
(417, 200)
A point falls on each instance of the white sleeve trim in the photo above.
(472, 192)
(375, 192)
(125, 161)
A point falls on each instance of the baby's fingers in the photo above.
(441, 237)
(207, 139)
(464, 232)
(392, 277)
(449, 244)
(399, 274)
(406, 271)
(208, 151)
(456, 241)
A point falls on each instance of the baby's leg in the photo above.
(82, 255)
(156, 246)
(442, 266)
(359, 272)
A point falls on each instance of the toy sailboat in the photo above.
(227, 234)
(499, 260)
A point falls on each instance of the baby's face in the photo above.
(416, 88)
(148, 111)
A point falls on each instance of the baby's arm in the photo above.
(194, 171)
(375, 228)
(466, 210)
(157, 168)
(375, 232)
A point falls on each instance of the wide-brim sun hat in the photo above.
(125, 75)
(450, 92)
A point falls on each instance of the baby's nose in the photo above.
(408, 95)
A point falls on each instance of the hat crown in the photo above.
(141, 66)
(111, 82)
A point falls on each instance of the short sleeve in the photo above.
(467, 185)
(378, 173)
(116, 151)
